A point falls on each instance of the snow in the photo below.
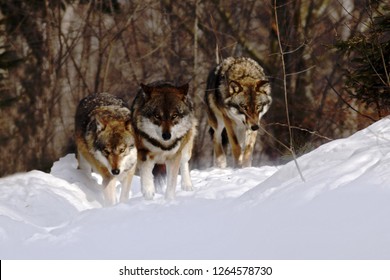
(340, 211)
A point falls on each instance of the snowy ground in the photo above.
(341, 211)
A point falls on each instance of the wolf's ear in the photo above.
(100, 123)
(234, 87)
(261, 83)
(184, 89)
(128, 125)
(146, 89)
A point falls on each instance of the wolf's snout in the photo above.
(255, 127)
(166, 135)
(115, 171)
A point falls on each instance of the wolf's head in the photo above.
(248, 100)
(167, 112)
(113, 140)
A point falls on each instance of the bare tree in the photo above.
(54, 53)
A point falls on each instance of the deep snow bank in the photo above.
(340, 211)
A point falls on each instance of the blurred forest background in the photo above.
(55, 52)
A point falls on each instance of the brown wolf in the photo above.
(105, 142)
(238, 94)
(165, 126)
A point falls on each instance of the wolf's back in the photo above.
(240, 68)
(93, 101)
(213, 90)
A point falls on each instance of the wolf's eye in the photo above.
(174, 116)
(121, 150)
(106, 152)
(131, 146)
(157, 116)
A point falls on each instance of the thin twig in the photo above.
(302, 129)
(346, 102)
(291, 148)
(300, 72)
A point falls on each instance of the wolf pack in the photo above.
(154, 134)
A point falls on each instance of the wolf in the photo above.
(165, 126)
(237, 95)
(105, 142)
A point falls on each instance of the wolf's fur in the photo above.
(165, 126)
(238, 94)
(105, 142)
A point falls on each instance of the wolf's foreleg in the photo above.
(172, 173)
(109, 191)
(250, 140)
(126, 184)
(186, 153)
(146, 174)
(186, 184)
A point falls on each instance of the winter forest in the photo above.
(327, 60)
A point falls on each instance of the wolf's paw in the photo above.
(170, 195)
(220, 162)
(187, 187)
(148, 194)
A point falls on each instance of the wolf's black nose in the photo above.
(166, 135)
(115, 171)
(254, 127)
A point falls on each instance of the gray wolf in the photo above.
(105, 142)
(237, 95)
(165, 127)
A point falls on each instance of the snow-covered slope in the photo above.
(340, 211)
